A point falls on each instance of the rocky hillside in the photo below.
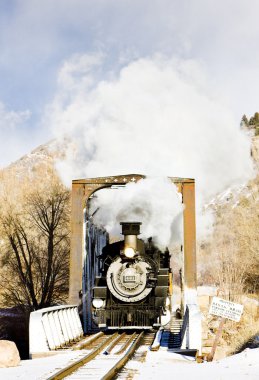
(229, 257)
(35, 169)
(39, 159)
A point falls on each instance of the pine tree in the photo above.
(252, 121)
(244, 121)
(256, 118)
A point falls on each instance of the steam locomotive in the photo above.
(134, 283)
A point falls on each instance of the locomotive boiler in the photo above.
(133, 285)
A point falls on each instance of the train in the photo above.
(132, 285)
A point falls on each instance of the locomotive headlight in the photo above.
(98, 303)
(129, 252)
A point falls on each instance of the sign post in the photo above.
(225, 310)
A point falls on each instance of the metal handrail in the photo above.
(185, 324)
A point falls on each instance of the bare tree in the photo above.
(231, 269)
(35, 249)
(231, 257)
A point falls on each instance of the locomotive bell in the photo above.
(130, 230)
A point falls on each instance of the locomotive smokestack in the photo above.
(130, 230)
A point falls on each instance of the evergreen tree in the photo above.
(256, 118)
(252, 121)
(244, 121)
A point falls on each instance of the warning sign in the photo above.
(226, 309)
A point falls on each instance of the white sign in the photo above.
(226, 309)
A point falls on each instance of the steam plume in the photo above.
(157, 116)
(153, 201)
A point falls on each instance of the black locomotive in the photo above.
(133, 286)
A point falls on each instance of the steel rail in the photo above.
(114, 343)
(126, 344)
(121, 363)
(87, 341)
(79, 363)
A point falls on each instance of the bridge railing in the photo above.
(191, 328)
(53, 327)
(185, 324)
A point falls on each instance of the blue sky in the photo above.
(38, 37)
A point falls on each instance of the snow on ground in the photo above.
(41, 368)
(167, 365)
(158, 365)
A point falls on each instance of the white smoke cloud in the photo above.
(154, 202)
(157, 116)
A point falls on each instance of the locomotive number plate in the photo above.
(129, 279)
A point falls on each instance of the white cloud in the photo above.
(76, 70)
(36, 37)
(13, 142)
(9, 120)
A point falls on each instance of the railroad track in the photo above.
(106, 356)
